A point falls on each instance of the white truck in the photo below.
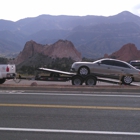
(7, 71)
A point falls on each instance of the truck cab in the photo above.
(7, 71)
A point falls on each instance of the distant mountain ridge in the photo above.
(49, 22)
(93, 36)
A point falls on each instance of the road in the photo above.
(26, 82)
(66, 116)
(29, 82)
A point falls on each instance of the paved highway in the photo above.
(46, 83)
(66, 116)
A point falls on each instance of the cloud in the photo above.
(136, 9)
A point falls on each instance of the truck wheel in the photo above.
(2, 81)
(90, 81)
(127, 80)
(77, 80)
(83, 70)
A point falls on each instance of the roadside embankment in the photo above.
(82, 88)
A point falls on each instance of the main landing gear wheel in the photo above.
(90, 81)
(83, 71)
(127, 80)
(77, 80)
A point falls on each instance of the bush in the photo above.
(3, 60)
(63, 64)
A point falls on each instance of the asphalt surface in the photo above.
(67, 86)
(47, 83)
(69, 115)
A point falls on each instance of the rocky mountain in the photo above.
(93, 36)
(49, 22)
(127, 53)
(59, 49)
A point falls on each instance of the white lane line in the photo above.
(69, 131)
(11, 92)
(67, 94)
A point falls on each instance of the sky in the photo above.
(18, 9)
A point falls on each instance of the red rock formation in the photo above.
(62, 49)
(127, 53)
(59, 49)
(29, 50)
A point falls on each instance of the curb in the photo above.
(133, 89)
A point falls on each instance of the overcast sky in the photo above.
(19, 9)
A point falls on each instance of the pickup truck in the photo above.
(7, 71)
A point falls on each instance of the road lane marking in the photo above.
(70, 94)
(69, 131)
(71, 107)
(11, 92)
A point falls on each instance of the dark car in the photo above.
(135, 63)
